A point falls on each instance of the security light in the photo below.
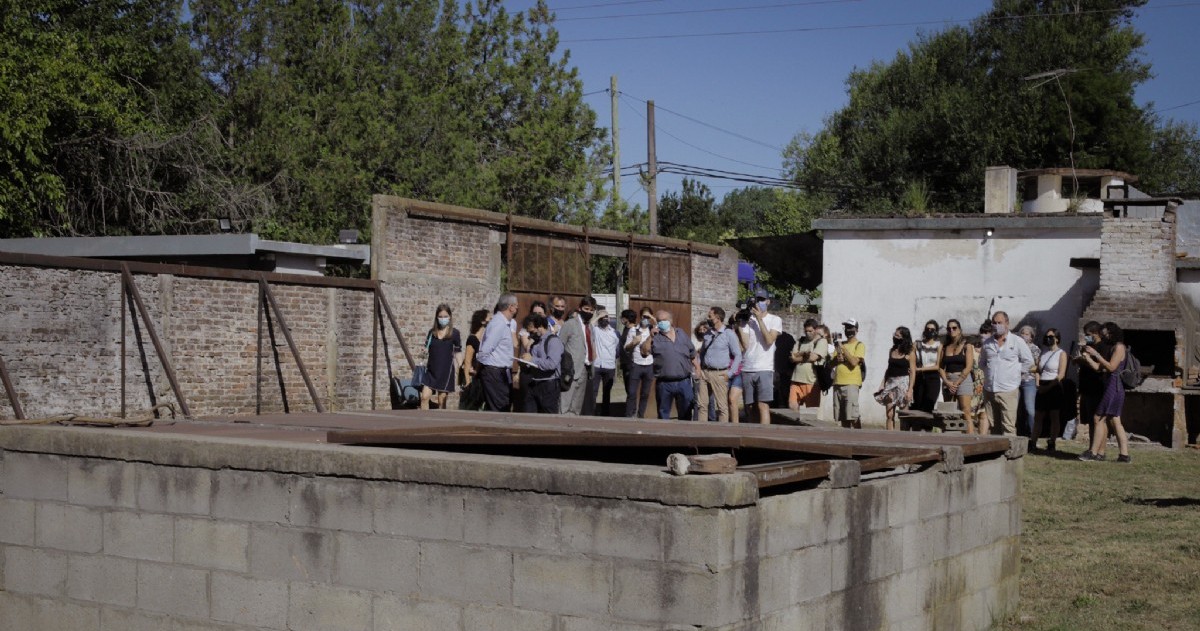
(225, 224)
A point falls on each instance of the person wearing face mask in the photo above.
(541, 360)
(604, 368)
(956, 362)
(758, 371)
(444, 352)
(576, 334)
(1112, 400)
(896, 389)
(1052, 367)
(629, 319)
(674, 367)
(849, 360)
(928, 387)
(1003, 357)
(720, 360)
(1091, 381)
(558, 314)
(1027, 407)
(641, 375)
(811, 353)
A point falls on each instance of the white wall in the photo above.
(887, 279)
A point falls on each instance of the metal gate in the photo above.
(662, 280)
(541, 267)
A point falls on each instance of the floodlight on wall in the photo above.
(348, 236)
(989, 233)
(225, 224)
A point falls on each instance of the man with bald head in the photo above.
(674, 366)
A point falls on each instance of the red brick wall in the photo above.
(60, 338)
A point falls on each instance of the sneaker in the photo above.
(1087, 456)
(1099, 457)
(1124, 459)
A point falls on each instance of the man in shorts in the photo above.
(758, 362)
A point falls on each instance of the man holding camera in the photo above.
(758, 372)
(720, 360)
(849, 362)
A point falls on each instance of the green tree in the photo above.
(1031, 84)
(690, 214)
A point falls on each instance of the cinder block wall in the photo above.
(105, 530)
(60, 337)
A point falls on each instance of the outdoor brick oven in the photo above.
(1137, 291)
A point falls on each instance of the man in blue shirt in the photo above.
(720, 360)
(674, 367)
(496, 355)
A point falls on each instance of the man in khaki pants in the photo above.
(720, 359)
(1002, 359)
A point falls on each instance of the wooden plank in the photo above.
(789, 472)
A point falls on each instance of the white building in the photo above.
(1042, 268)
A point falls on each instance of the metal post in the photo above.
(124, 297)
(287, 335)
(375, 345)
(258, 358)
(11, 391)
(387, 308)
(158, 347)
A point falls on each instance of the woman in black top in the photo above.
(472, 390)
(955, 361)
(896, 389)
(443, 349)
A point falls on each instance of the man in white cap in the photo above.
(758, 360)
(849, 366)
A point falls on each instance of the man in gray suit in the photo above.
(576, 338)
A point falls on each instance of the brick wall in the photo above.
(714, 283)
(60, 337)
(1138, 255)
(99, 532)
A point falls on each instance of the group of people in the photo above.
(1005, 375)
(564, 360)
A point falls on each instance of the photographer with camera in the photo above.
(849, 359)
(760, 329)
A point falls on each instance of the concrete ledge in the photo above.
(587, 479)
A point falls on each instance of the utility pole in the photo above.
(652, 175)
(616, 142)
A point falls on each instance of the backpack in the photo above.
(566, 368)
(824, 374)
(1131, 373)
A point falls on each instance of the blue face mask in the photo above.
(443, 322)
(664, 325)
(762, 306)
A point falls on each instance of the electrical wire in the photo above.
(852, 27)
(1175, 107)
(708, 125)
(602, 4)
(697, 148)
(757, 7)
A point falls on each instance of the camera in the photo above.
(742, 316)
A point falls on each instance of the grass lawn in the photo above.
(1110, 546)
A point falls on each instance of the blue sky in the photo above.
(766, 87)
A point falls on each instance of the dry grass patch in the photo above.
(1110, 546)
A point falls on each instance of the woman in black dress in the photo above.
(443, 349)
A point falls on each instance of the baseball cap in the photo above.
(850, 322)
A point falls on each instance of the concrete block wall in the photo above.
(315, 537)
(60, 337)
(1138, 255)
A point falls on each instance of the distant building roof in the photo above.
(244, 251)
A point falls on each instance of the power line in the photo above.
(709, 125)
(1175, 107)
(697, 148)
(602, 4)
(851, 27)
(712, 10)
